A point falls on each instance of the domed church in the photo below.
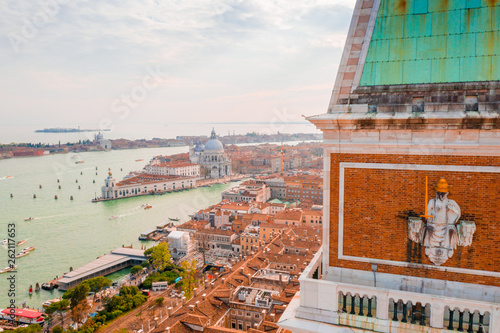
(211, 157)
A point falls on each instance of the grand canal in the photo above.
(70, 233)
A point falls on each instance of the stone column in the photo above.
(383, 306)
(437, 313)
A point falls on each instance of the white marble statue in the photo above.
(441, 235)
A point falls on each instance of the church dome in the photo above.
(213, 144)
(199, 147)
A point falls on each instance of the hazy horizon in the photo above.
(95, 64)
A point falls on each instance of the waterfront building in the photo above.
(104, 265)
(141, 184)
(211, 156)
(177, 168)
(411, 174)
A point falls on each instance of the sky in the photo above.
(84, 62)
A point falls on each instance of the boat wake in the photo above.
(6, 177)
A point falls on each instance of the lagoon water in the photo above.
(72, 233)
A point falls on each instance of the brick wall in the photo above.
(378, 202)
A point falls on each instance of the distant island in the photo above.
(69, 130)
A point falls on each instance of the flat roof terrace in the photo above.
(104, 265)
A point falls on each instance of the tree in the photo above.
(160, 256)
(188, 275)
(80, 293)
(58, 307)
(145, 264)
(34, 328)
(159, 301)
(80, 311)
(136, 269)
(98, 283)
(57, 329)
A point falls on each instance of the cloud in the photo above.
(224, 58)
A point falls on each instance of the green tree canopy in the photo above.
(79, 293)
(136, 269)
(160, 256)
(34, 328)
(57, 307)
(188, 277)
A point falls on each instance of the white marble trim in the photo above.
(419, 167)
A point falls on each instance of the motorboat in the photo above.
(173, 218)
(47, 303)
(114, 217)
(29, 249)
(5, 241)
(21, 242)
(146, 206)
(8, 269)
(29, 219)
(22, 254)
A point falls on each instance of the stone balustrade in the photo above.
(386, 310)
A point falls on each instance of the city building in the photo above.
(180, 244)
(214, 239)
(289, 217)
(141, 184)
(248, 191)
(211, 156)
(411, 174)
(304, 187)
(277, 186)
(177, 168)
(249, 306)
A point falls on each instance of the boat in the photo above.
(8, 269)
(22, 254)
(141, 159)
(78, 162)
(146, 206)
(29, 219)
(173, 218)
(21, 242)
(5, 241)
(114, 217)
(47, 303)
(29, 249)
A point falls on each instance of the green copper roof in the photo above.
(434, 41)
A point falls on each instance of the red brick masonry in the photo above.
(378, 202)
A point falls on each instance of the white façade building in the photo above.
(211, 157)
(144, 184)
(155, 167)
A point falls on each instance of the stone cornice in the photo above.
(482, 120)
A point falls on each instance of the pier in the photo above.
(104, 265)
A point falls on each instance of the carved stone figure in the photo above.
(465, 230)
(441, 234)
(415, 229)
